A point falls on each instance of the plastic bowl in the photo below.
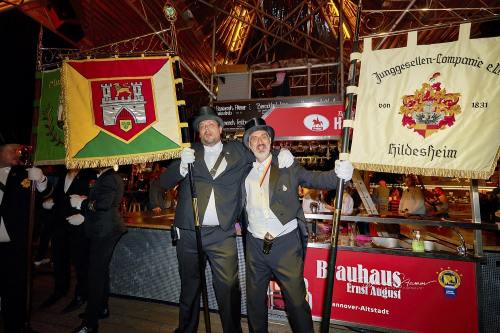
(429, 245)
(387, 242)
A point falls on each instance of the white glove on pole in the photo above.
(344, 169)
(36, 174)
(48, 204)
(76, 200)
(187, 156)
(76, 219)
(285, 158)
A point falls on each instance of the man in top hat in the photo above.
(218, 169)
(14, 220)
(276, 233)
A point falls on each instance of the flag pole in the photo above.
(179, 89)
(31, 211)
(332, 259)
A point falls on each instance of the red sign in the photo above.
(397, 292)
(304, 122)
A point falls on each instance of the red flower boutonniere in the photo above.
(92, 183)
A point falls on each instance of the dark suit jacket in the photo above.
(283, 184)
(80, 185)
(102, 207)
(226, 186)
(15, 205)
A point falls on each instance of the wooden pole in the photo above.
(32, 208)
(194, 197)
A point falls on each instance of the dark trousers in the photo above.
(219, 247)
(13, 286)
(286, 263)
(69, 245)
(45, 232)
(100, 253)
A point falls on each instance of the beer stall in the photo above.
(380, 283)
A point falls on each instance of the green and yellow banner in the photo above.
(120, 111)
(50, 132)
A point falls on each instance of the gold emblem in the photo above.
(26, 183)
(126, 125)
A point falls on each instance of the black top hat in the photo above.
(206, 113)
(256, 124)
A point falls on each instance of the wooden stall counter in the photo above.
(149, 219)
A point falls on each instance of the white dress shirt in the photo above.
(70, 176)
(261, 219)
(4, 173)
(211, 154)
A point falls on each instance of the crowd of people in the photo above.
(87, 224)
(247, 182)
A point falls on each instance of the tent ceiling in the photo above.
(252, 31)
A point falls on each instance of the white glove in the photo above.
(187, 156)
(76, 219)
(76, 200)
(48, 204)
(285, 158)
(344, 169)
(36, 174)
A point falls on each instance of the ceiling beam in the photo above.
(286, 25)
(259, 28)
(290, 31)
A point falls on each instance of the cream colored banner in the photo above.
(429, 109)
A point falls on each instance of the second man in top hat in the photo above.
(276, 229)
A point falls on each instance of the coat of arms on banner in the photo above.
(431, 108)
(123, 108)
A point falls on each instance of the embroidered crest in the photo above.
(430, 109)
(123, 108)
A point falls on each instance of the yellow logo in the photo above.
(450, 280)
(26, 183)
(126, 125)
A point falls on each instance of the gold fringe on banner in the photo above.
(63, 96)
(430, 171)
(121, 160)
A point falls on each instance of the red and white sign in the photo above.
(306, 121)
(397, 292)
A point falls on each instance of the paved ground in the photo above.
(127, 315)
